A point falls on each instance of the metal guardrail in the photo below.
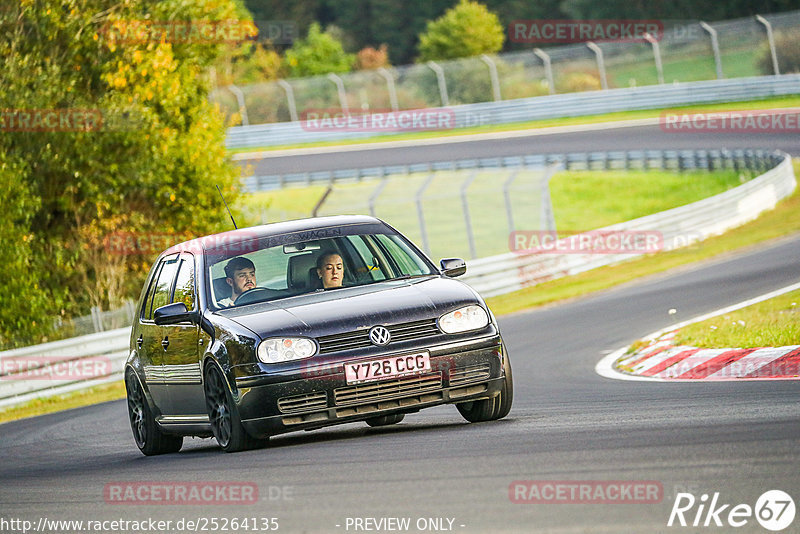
(622, 159)
(59, 367)
(679, 226)
(490, 276)
(542, 107)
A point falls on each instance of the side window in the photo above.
(402, 255)
(148, 301)
(163, 284)
(367, 269)
(184, 283)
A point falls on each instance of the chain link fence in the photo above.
(687, 51)
(452, 210)
(97, 321)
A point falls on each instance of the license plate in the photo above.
(389, 367)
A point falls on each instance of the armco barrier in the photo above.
(711, 216)
(619, 159)
(110, 347)
(490, 276)
(545, 107)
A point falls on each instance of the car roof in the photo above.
(272, 229)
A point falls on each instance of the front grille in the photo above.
(387, 389)
(300, 403)
(467, 375)
(360, 338)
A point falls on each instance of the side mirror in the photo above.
(173, 313)
(453, 267)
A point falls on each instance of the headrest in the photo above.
(300, 268)
(221, 289)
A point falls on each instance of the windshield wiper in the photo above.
(408, 276)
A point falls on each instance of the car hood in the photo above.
(342, 310)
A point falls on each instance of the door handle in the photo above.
(139, 341)
(165, 343)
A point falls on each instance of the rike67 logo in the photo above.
(774, 510)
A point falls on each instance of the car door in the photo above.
(181, 363)
(151, 335)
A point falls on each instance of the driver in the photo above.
(241, 276)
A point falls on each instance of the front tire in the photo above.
(148, 436)
(491, 409)
(223, 415)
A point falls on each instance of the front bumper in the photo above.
(320, 396)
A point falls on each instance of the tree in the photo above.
(318, 53)
(370, 58)
(466, 30)
(131, 145)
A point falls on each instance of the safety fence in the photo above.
(525, 109)
(60, 367)
(98, 320)
(620, 159)
(681, 51)
(681, 226)
(75, 364)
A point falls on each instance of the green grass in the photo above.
(77, 399)
(735, 64)
(585, 200)
(772, 323)
(782, 221)
(778, 102)
(280, 205)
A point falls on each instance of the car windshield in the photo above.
(286, 266)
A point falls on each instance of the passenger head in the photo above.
(330, 269)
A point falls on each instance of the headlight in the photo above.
(464, 319)
(285, 349)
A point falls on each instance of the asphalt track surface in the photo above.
(567, 423)
(739, 439)
(627, 138)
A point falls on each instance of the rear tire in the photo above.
(146, 433)
(491, 409)
(226, 424)
(385, 420)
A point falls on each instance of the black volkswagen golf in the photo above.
(304, 324)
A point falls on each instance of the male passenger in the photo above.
(241, 276)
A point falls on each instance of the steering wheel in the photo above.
(252, 295)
